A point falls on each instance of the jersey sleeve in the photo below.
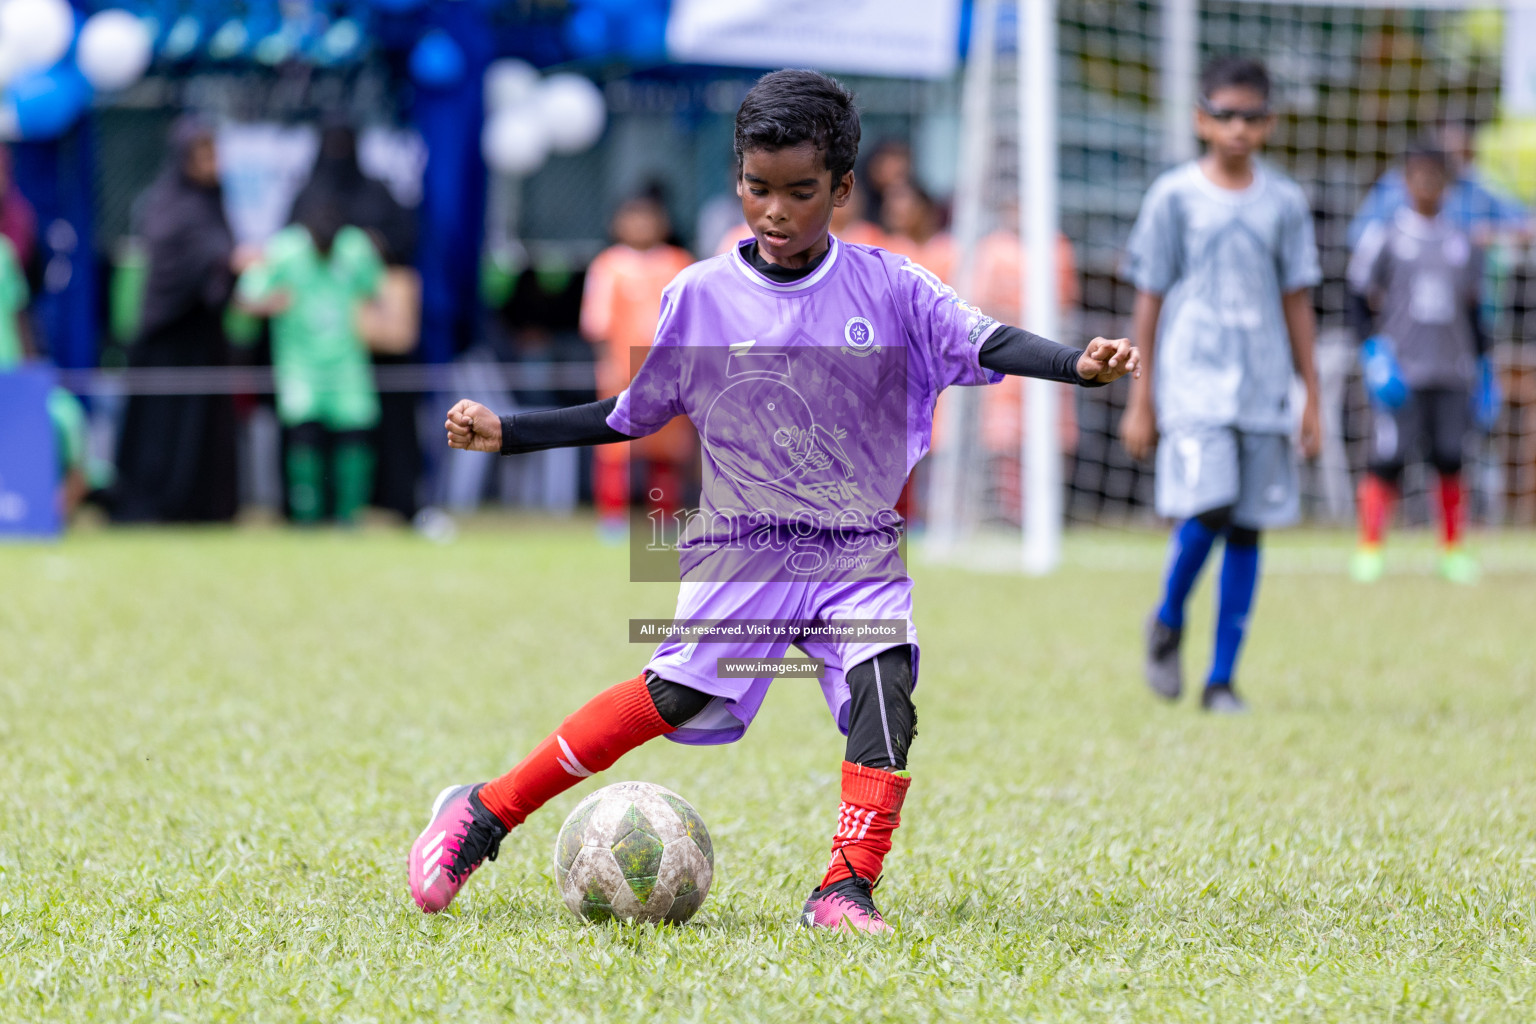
(1298, 264)
(1385, 196)
(1367, 264)
(258, 282)
(654, 398)
(948, 331)
(263, 279)
(1154, 254)
(363, 267)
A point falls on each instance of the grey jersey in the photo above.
(1222, 260)
(1423, 275)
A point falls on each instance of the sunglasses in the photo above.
(1223, 115)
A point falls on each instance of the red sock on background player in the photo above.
(1450, 509)
(1375, 498)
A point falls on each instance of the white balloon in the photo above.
(38, 32)
(573, 112)
(514, 142)
(114, 49)
(509, 82)
(10, 64)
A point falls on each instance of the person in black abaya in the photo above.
(338, 181)
(176, 453)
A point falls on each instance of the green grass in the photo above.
(215, 749)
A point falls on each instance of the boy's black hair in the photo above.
(787, 108)
(1429, 151)
(1234, 72)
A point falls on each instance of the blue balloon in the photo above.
(586, 32)
(437, 62)
(49, 102)
(398, 6)
(645, 35)
(607, 6)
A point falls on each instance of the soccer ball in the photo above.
(636, 852)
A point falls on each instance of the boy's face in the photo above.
(787, 198)
(1234, 121)
(1425, 180)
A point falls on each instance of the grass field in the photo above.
(215, 749)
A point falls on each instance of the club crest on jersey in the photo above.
(859, 333)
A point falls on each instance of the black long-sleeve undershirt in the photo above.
(1009, 350)
(1016, 352)
(570, 427)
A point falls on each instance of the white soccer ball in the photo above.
(634, 851)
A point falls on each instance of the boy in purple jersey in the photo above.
(810, 368)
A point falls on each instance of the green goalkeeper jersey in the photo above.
(321, 365)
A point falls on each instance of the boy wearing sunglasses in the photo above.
(1223, 260)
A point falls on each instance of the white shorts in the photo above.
(1207, 468)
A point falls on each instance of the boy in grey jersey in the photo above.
(1222, 257)
(1423, 275)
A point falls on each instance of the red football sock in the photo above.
(664, 487)
(606, 728)
(870, 813)
(610, 486)
(1375, 500)
(1450, 509)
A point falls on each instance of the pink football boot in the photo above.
(461, 835)
(848, 905)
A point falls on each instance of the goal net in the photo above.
(1354, 84)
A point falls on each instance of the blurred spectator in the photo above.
(338, 179)
(312, 279)
(719, 223)
(889, 164)
(997, 289)
(18, 221)
(1001, 266)
(1471, 205)
(619, 312)
(911, 222)
(848, 221)
(176, 453)
(64, 410)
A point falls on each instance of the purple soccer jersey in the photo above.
(813, 400)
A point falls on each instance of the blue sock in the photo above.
(1190, 547)
(1239, 580)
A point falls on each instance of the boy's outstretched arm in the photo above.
(472, 427)
(1301, 325)
(1138, 425)
(1015, 351)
